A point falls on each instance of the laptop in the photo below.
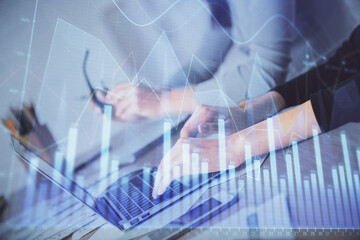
(127, 202)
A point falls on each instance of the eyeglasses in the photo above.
(94, 91)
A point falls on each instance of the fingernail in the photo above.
(205, 127)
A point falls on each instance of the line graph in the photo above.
(247, 41)
(187, 84)
(268, 181)
(145, 82)
(150, 22)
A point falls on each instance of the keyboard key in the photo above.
(147, 192)
(135, 195)
(151, 180)
(123, 212)
(140, 185)
(145, 215)
(168, 194)
(158, 200)
(135, 221)
(118, 206)
(120, 196)
(146, 205)
(176, 186)
(137, 182)
(134, 211)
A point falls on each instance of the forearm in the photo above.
(260, 108)
(337, 69)
(267, 99)
(279, 131)
(180, 100)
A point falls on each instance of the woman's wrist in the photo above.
(236, 143)
(278, 100)
(256, 137)
(181, 100)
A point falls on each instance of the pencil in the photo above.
(29, 114)
(9, 124)
(32, 110)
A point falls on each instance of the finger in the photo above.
(114, 96)
(95, 107)
(129, 114)
(97, 110)
(208, 128)
(186, 131)
(121, 86)
(118, 92)
(165, 182)
(165, 167)
(158, 178)
(212, 128)
(120, 107)
(190, 129)
(242, 104)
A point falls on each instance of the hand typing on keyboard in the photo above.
(187, 156)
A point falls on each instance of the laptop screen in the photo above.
(52, 174)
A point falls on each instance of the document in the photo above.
(54, 218)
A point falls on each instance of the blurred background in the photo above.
(42, 46)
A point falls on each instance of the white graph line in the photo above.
(13, 158)
(29, 55)
(143, 80)
(148, 23)
(272, 18)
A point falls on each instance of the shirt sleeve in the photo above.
(259, 57)
(329, 75)
(334, 108)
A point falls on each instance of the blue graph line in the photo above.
(337, 193)
(267, 190)
(319, 169)
(291, 186)
(298, 180)
(349, 179)
(308, 204)
(315, 194)
(105, 141)
(332, 209)
(345, 196)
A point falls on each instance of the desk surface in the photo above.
(332, 159)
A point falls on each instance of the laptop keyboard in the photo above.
(135, 196)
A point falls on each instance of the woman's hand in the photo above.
(187, 155)
(204, 120)
(132, 102)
